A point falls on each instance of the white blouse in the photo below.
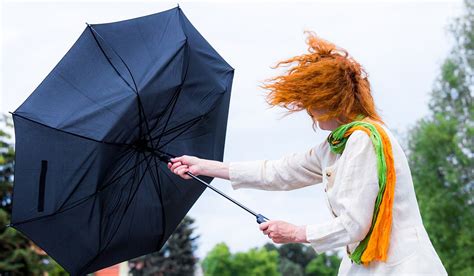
(350, 183)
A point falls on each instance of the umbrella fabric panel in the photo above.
(206, 137)
(75, 168)
(146, 45)
(103, 102)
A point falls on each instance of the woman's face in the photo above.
(325, 125)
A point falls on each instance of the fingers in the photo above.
(179, 168)
(176, 159)
(175, 165)
(275, 230)
(183, 159)
(267, 228)
(264, 225)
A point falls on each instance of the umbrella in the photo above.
(91, 183)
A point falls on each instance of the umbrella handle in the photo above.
(261, 218)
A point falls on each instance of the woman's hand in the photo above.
(198, 166)
(284, 232)
(184, 164)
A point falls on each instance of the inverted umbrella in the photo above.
(91, 183)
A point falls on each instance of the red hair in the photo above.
(326, 79)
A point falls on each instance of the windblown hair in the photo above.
(326, 79)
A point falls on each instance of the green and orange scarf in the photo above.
(374, 246)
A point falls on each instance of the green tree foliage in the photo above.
(258, 262)
(218, 261)
(175, 258)
(441, 153)
(323, 265)
(16, 256)
(287, 260)
(289, 268)
(297, 253)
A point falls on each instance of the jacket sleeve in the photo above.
(292, 171)
(355, 196)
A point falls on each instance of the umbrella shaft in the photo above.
(221, 193)
(164, 157)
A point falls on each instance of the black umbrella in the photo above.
(92, 141)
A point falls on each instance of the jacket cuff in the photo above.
(327, 236)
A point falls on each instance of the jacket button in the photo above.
(328, 174)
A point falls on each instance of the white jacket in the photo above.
(351, 185)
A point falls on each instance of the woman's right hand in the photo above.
(183, 164)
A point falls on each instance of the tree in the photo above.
(300, 259)
(441, 153)
(297, 253)
(257, 262)
(218, 261)
(288, 260)
(323, 265)
(175, 258)
(289, 268)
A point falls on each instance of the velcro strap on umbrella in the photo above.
(42, 183)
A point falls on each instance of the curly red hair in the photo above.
(326, 79)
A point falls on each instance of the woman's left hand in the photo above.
(284, 232)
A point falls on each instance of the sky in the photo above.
(401, 44)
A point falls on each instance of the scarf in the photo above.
(374, 246)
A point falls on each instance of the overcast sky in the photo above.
(400, 43)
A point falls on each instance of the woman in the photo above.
(365, 173)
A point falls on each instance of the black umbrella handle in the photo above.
(261, 219)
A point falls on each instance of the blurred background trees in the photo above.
(441, 153)
(176, 257)
(287, 260)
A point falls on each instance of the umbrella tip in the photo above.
(88, 25)
(177, 5)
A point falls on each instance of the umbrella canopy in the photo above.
(90, 189)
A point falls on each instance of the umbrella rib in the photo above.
(101, 249)
(181, 132)
(94, 33)
(121, 175)
(120, 221)
(116, 206)
(135, 89)
(177, 127)
(78, 90)
(71, 133)
(157, 185)
(75, 188)
(174, 103)
(164, 112)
